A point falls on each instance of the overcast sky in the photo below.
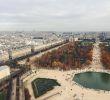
(55, 15)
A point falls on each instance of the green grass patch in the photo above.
(86, 43)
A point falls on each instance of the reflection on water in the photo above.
(95, 80)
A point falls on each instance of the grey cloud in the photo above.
(57, 15)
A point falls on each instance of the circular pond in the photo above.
(93, 80)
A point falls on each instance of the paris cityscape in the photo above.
(54, 50)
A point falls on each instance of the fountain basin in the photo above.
(93, 80)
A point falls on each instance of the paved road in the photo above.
(96, 63)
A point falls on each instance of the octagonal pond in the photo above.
(43, 85)
(93, 80)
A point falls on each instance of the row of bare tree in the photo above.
(69, 56)
(105, 56)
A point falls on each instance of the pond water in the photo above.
(42, 85)
(93, 80)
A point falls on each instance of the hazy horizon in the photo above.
(55, 15)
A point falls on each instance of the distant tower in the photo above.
(10, 54)
(84, 36)
(104, 35)
(73, 38)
